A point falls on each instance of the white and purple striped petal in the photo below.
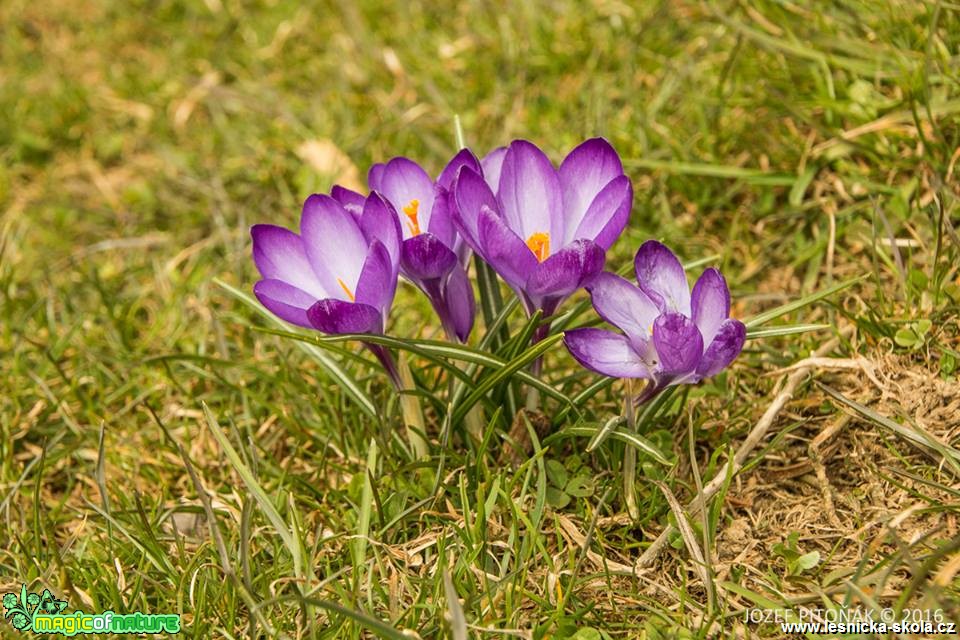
(338, 316)
(504, 250)
(279, 255)
(606, 353)
(458, 302)
(623, 305)
(492, 164)
(425, 257)
(710, 303)
(584, 174)
(564, 272)
(378, 221)
(377, 282)
(726, 346)
(471, 195)
(285, 301)
(679, 344)
(661, 276)
(334, 244)
(411, 191)
(608, 213)
(530, 197)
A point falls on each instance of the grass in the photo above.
(161, 450)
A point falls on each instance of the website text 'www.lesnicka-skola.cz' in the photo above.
(854, 621)
(926, 628)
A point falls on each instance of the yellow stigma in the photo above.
(539, 243)
(346, 290)
(411, 211)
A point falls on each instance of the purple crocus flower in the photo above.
(669, 336)
(339, 275)
(432, 254)
(544, 230)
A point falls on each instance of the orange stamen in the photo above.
(539, 244)
(411, 211)
(346, 290)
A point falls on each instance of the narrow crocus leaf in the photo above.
(508, 370)
(438, 352)
(308, 345)
(631, 438)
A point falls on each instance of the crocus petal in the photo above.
(285, 301)
(379, 222)
(564, 272)
(606, 353)
(607, 215)
(530, 192)
(459, 302)
(351, 200)
(279, 255)
(471, 194)
(425, 257)
(710, 303)
(441, 219)
(378, 279)
(492, 164)
(464, 158)
(504, 250)
(375, 176)
(333, 243)
(726, 346)
(583, 174)
(623, 305)
(678, 342)
(337, 316)
(404, 181)
(661, 277)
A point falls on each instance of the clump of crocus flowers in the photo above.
(544, 230)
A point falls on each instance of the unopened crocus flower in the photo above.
(545, 231)
(670, 336)
(432, 254)
(339, 275)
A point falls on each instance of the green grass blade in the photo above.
(436, 351)
(914, 436)
(754, 176)
(266, 505)
(365, 509)
(632, 439)
(785, 330)
(784, 309)
(379, 627)
(608, 427)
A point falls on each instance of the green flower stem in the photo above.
(630, 456)
(533, 394)
(412, 411)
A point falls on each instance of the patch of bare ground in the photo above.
(879, 510)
